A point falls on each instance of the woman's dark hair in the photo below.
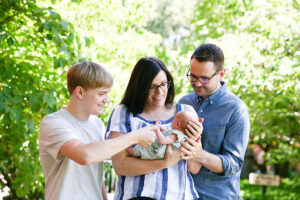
(140, 82)
(210, 52)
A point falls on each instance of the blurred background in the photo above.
(39, 40)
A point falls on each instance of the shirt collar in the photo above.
(215, 96)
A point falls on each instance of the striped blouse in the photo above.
(174, 182)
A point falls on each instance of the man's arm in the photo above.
(193, 150)
(194, 131)
(193, 166)
(94, 152)
(234, 147)
(235, 142)
(130, 166)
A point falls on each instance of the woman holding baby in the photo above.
(149, 97)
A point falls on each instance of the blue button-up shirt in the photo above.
(225, 133)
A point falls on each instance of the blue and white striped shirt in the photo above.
(174, 182)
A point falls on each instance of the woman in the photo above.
(149, 96)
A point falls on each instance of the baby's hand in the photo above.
(158, 124)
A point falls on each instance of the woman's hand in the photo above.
(172, 156)
(145, 136)
(194, 129)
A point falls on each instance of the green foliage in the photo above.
(115, 37)
(287, 190)
(38, 40)
(109, 176)
(34, 40)
(261, 45)
(36, 45)
(260, 40)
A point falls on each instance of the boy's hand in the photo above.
(146, 136)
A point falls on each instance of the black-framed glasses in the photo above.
(163, 86)
(201, 79)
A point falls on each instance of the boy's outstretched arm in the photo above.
(94, 152)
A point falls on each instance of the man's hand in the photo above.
(191, 149)
(194, 129)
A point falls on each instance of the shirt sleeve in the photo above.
(119, 121)
(54, 132)
(102, 128)
(235, 142)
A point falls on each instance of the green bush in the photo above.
(287, 190)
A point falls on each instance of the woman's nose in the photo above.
(159, 90)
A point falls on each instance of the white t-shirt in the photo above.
(66, 179)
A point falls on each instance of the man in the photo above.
(225, 127)
(71, 140)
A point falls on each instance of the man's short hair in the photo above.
(210, 52)
(88, 75)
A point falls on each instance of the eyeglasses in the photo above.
(164, 86)
(201, 79)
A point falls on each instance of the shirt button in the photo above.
(201, 110)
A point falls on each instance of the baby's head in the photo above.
(182, 118)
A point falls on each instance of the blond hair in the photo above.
(88, 75)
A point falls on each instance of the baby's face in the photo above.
(173, 125)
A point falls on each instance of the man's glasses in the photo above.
(201, 79)
(164, 86)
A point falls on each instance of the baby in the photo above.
(174, 136)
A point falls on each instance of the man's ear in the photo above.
(222, 73)
(79, 92)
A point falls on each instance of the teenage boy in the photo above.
(72, 148)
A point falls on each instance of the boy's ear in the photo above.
(79, 92)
